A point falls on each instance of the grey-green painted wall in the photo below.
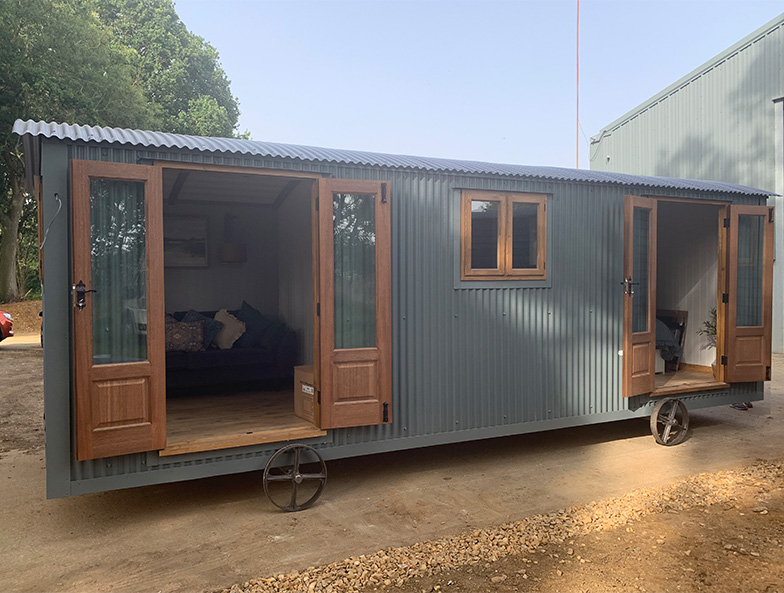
(469, 361)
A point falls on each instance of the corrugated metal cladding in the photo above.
(469, 361)
(715, 123)
(233, 146)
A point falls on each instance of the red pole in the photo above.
(578, 85)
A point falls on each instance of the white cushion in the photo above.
(233, 328)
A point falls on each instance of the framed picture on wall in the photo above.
(185, 242)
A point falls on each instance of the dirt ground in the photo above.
(707, 515)
(25, 314)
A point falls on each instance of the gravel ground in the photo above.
(455, 563)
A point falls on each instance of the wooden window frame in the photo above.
(504, 271)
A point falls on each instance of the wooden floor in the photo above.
(684, 381)
(211, 422)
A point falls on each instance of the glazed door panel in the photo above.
(639, 301)
(118, 313)
(750, 289)
(355, 375)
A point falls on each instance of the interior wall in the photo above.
(295, 264)
(225, 285)
(687, 270)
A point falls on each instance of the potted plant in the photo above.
(708, 330)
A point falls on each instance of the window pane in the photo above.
(640, 270)
(484, 234)
(751, 231)
(119, 271)
(354, 220)
(524, 238)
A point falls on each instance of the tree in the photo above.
(122, 63)
(179, 72)
(57, 64)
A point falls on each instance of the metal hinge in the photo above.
(386, 411)
(767, 373)
(770, 215)
(726, 223)
(725, 297)
(316, 203)
(724, 361)
(318, 397)
(383, 193)
(318, 309)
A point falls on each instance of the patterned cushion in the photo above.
(211, 326)
(185, 336)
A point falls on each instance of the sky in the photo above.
(477, 80)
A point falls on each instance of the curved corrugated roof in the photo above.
(355, 157)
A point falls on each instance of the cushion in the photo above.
(170, 318)
(232, 329)
(211, 326)
(255, 326)
(185, 336)
(272, 336)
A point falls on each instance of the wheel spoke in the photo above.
(295, 468)
(666, 433)
(313, 476)
(287, 477)
(293, 503)
(673, 412)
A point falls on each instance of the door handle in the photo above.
(80, 293)
(628, 286)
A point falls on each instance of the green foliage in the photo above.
(187, 90)
(709, 329)
(27, 251)
(122, 63)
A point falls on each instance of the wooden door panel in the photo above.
(117, 230)
(122, 402)
(749, 309)
(639, 301)
(355, 374)
(641, 354)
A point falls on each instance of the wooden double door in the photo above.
(118, 306)
(743, 294)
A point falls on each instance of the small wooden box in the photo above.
(304, 392)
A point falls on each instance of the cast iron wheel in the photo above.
(669, 422)
(294, 477)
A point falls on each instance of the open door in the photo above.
(355, 374)
(639, 300)
(118, 305)
(749, 306)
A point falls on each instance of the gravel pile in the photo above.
(395, 566)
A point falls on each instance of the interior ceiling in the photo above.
(220, 187)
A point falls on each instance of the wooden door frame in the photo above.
(92, 440)
(628, 382)
(381, 354)
(730, 316)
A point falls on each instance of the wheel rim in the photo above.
(294, 477)
(669, 422)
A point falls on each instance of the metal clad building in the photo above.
(723, 121)
(469, 359)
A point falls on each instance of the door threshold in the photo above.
(242, 440)
(689, 387)
(222, 421)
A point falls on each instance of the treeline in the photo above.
(124, 63)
